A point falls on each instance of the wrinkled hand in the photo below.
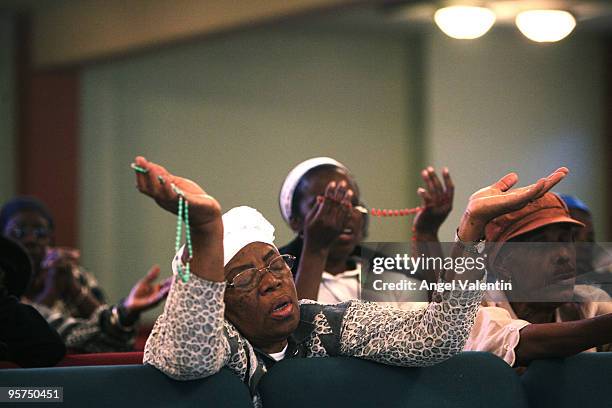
(436, 201)
(61, 256)
(57, 267)
(498, 199)
(147, 294)
(157, 184)
(329, 216)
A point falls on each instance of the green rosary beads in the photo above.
(139, 169)
(183, 218)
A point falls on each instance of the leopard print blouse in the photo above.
(191, 339)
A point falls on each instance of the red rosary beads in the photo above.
(378, 212)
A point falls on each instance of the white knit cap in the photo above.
(242, 226)
(285, 198)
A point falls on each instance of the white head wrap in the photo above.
(242, 226)
(293, 178)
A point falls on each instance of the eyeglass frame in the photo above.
(22, 232)
(248, 287)
(361, 208)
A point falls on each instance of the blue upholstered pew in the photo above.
(467, 380)
(583, 381)
(129, 386)
(470, 379)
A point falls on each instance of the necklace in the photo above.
(377, 212)
(183, 218)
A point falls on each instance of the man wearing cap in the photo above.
(533, 248)
(240, 309)
(25, 337)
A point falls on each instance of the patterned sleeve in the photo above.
(190, 340)
(95, 334)
(410, 338)
(88, 280)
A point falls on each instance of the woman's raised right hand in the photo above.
(157, 183)
(500, 198)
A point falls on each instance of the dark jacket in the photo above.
(25, 337)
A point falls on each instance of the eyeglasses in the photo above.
(246, 280)
(361, 209)
(22, 232)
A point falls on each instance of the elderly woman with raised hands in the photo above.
(233, 313)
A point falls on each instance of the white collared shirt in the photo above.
(341, 287)
(347, 286)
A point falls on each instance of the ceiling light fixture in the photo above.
(545, 25)
(464, 22)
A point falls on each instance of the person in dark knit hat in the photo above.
(593, 261)
(25, 337)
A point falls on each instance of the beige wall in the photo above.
(69, 32)
(236, 114)
(7, 109)
(502, 103)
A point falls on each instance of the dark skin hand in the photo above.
(328, 217)
(323, 225)
(204, 215)
(146, 294)
(499, 198)
(59, 282)
(436, 204)
(57, 277)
